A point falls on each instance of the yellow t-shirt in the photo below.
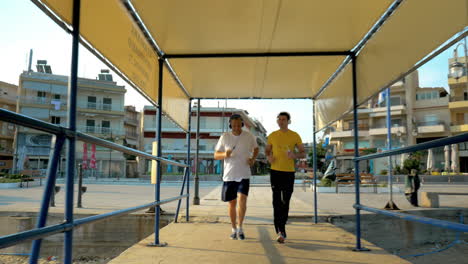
(281, 142)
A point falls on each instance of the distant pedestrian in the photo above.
(238, 148)
(283, 147)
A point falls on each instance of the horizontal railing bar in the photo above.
(421, 146)
(258, 54)
(29, 122)
(104, 143)
(94, 218)
(26, 121)
(13, 239)
(415, 218)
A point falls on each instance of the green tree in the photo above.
(412, 162)
(320, 155)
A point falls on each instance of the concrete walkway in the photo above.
(209, 243)
(205, 239)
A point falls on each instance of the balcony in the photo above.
(458, 102)
(383, 130)
(131, 121)
(459, 127)
(133, 135)
(7, 99)
(100, 131)
(100, 107)
(382, 111)
(6, 151)
(347, 131)
(431, 127)
(56, 103)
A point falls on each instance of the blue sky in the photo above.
(25, 27)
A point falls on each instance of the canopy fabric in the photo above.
(280, 77)
(257, 26)
(414, 30)
(215, 26)
(339, 95)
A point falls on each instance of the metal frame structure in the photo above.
(70, 134)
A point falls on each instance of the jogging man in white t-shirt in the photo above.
(239, 150)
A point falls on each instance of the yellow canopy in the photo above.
(330, 28)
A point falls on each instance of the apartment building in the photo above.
(131, 139)
(213, 122)
(100, 112)
(7, 130)
(417, 115)
(458, 106)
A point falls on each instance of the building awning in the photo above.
(283, 34)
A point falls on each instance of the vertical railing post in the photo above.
(390, 204)
(80, 185)
(181, 192)
(357, 179)
(54, 157)
(157, 191)
(189, 163)
(314, 161)
(196, 198)
(72, 101)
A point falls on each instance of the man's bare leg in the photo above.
(232, 212)
(242, 208)
(241, 213)
(232, 215)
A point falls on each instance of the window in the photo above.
(41, 94)
(396, 122)
(92, 102)
(430, 120)
(395, 100)
(105, 127)
(57, 96)
(55, 120)
(107, 104)
(463, 146)
(90, 125)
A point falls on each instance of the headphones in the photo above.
(235, 116)
(284, 114)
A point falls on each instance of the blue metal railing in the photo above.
(58, 141)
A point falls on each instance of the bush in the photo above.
(326, 182)
(16, 176)
(5, 180)
(383, 172)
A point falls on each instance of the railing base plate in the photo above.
(162, 244)
(360, 249)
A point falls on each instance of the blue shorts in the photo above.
(231, 188)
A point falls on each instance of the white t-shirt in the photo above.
(236, 167)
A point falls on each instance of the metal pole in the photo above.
(181, 192)
(196, 199)
(54, 156)
(110, 156)
(72, 100)
(390, 204)
(315, 162)
(158, 162)
(80, 184)
(356, 154)
(189, 135)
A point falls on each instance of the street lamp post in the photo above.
(457, 69)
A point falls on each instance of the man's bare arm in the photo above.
(220, 155)
(301, 151)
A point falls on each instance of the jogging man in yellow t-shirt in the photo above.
(283, 147)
